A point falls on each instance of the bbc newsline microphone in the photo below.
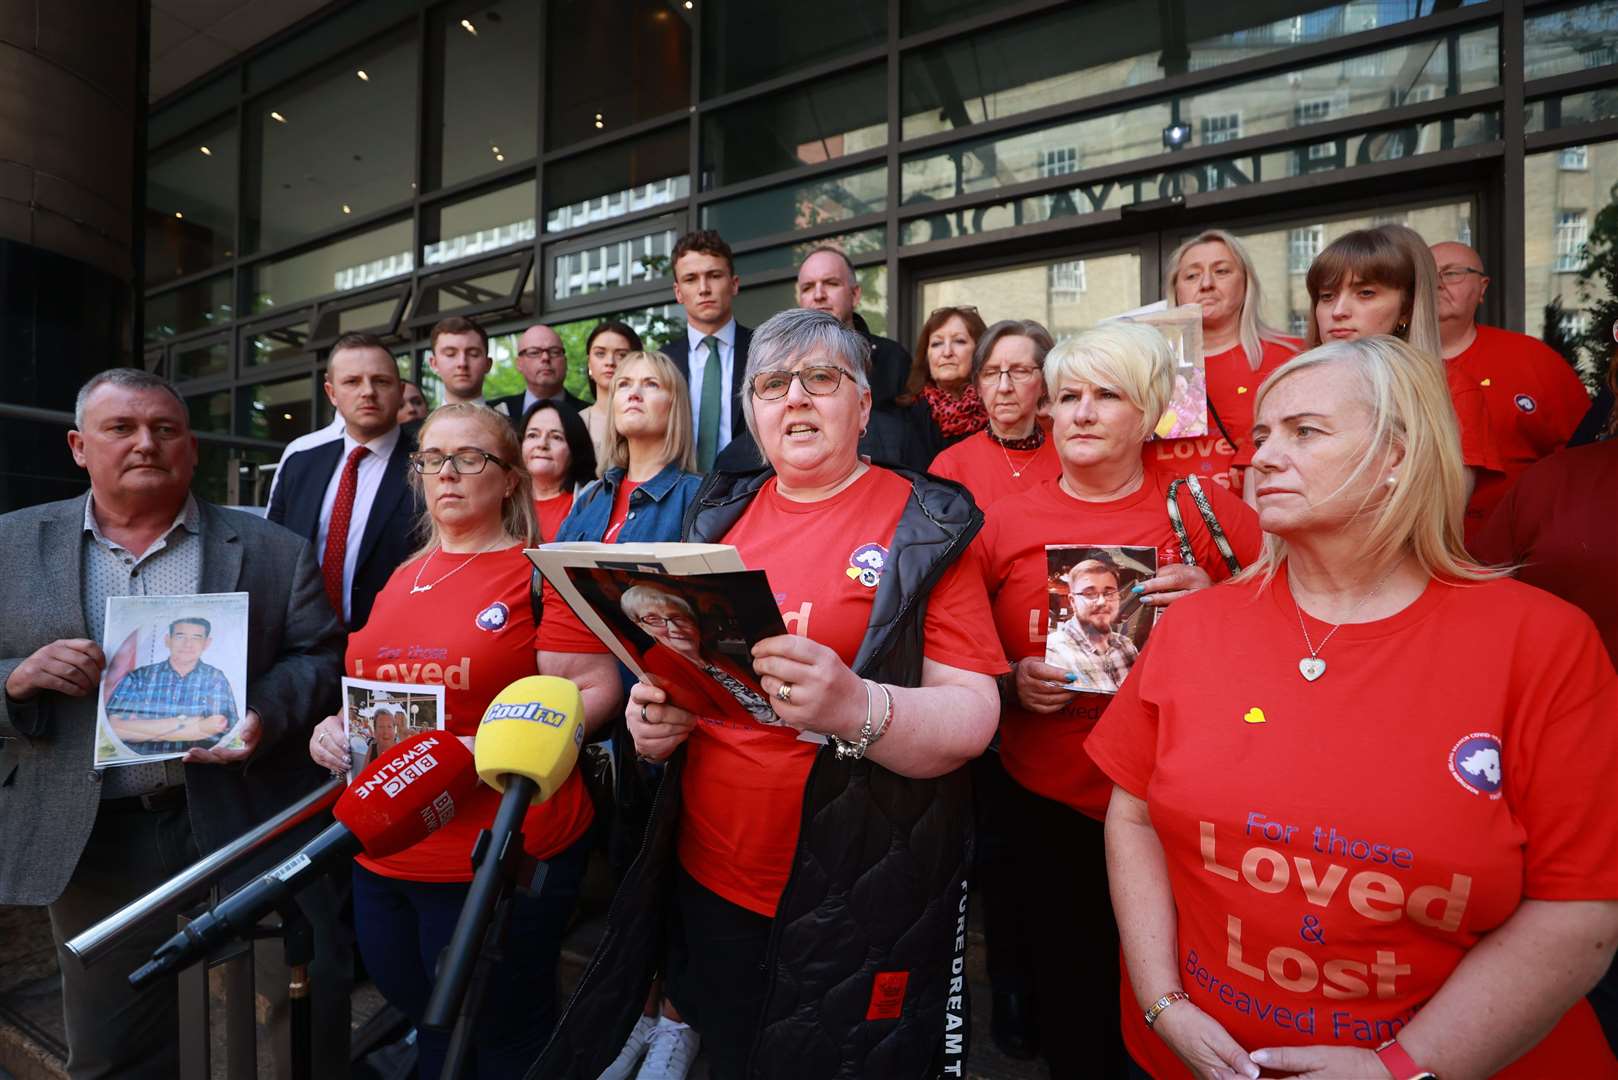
(527, 746)
(409, 792)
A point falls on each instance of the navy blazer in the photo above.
(679, 350)
(390, 533)
(511, 407)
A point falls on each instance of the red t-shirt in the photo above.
(743, 782)
(1560, 522)
(1534, 400)
(991, 472)
(1232, 383)
(620, 510)
(1334, 848)
(1044, 752)
(551, 513)
(473, 634)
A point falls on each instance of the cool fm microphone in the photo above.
(527, 746)
(410, 791)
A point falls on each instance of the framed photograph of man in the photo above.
(1097, 623)
(176, 676)
(376, 715)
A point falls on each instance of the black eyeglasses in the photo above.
(818, 380)
(1098, 596)
(1454, 275)
(555, 352)
(462, 462)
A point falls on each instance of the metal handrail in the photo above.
(171, 897)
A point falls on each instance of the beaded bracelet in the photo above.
(854, 751)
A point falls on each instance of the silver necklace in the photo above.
(417, 586)
(1312, 666)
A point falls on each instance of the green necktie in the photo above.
(712, 397)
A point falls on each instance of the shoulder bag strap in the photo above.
(1205, 508)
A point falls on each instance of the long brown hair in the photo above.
(1395, 257)
(920, 374)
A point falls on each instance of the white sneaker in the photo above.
(670, 1051)
(623, 1066)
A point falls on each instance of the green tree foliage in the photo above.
(1598, 294)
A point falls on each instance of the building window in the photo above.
(1302, 247)
(1574, 159)
(1222, 128)
(1573, 324)
(1599, 55)
(1572, 230)
(1298, 323)
(1315, 112)
(1067, 280)
(1059, 161)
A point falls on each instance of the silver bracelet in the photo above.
(868, 735)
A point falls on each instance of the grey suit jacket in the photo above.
(49, 794)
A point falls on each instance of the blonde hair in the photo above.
(517, 508)
(1393, 256)
(1131, 358)
(1422, 515)
(679, 447)
(1251, 327)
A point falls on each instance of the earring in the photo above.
(1392, 480)
(1402, 329)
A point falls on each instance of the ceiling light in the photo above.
(278, 118)
(286, 416)
(688, 5)
(346, 209)
(179, 215)
(499, 157)
(363, 77)
(1176, 135)
(599, 122)
(494, 149)
(466, 24)
(205, 151)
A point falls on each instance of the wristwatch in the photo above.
(1401, 1064)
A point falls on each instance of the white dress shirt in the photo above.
(330, 433)
(372, 466)
(698, 364)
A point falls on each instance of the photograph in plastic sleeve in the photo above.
(378, 715)
(1097, 624)
(176, 677)
(1186, 414)
(694, 634)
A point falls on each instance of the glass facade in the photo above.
(398, 161)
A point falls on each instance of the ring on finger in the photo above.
(784, 692)
(643, 718)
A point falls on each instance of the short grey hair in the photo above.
(125, 378)
(794, 333)
(637, 600)
(1028, 328)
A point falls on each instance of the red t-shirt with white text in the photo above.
(1232, 384)
(1335, 848)
(743, 782)
(991, 471)
(1044, 752)
(473, 633)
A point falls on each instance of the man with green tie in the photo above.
(712, 354)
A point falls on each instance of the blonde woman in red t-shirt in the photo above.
(1108, 388)
(1214, 270)
(458, 614)
(1360, 824)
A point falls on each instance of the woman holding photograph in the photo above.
(608, 345)
(559, 457)
(1108, 387)
(457, 614)
(1386, 849)
(1214, 271)
(1013, 453)
(903, 694)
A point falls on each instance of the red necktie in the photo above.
(342, 512)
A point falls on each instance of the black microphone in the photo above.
(407, 793)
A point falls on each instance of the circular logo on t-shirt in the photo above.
(866, 563)
(1525, 403)
(1475, 764)
(494, 617)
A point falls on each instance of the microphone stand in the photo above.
(298, 940)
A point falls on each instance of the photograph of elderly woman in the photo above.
(1098, 624)
(693, 634)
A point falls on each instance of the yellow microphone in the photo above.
(533, 729)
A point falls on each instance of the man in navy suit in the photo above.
(712, 353)
(351, 497)
(542, 359)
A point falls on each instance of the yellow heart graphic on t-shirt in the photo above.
(1241, 389)
(1485, 382)
(1255, 715)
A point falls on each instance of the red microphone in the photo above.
(410, 791)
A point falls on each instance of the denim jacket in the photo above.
(656, 508)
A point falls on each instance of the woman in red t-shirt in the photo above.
(1108, 388)
(458, 615)
(1360, 825)
(1013, 453)
(1384, 281)
(1213, 269)
(559, 457)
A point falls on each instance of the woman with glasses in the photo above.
(1108, 387)
(458, 615)
(816, 868)
(679, 647)
(939, 390)
(559, 457)
(1013, 452)
(1214, 271)
(608, 345)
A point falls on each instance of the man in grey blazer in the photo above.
(86, 841)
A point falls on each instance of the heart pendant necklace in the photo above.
(1312, 667)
